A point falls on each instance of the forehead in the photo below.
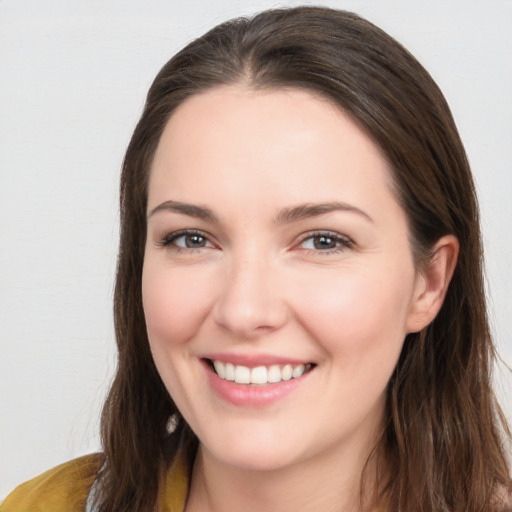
(289, 143)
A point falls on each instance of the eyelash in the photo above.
(170, 239)
(341, 242)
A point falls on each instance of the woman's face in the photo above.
(276, 252)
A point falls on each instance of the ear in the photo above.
(432, 284)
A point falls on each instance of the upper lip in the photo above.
(254, 360)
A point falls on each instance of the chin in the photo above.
(255, 459)
(261, 451)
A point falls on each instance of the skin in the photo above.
(259, 282)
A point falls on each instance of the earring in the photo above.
(172, 423)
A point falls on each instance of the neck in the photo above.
(331, 483)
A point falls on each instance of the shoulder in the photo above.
(61, 489)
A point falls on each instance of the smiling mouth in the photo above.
(258, 375)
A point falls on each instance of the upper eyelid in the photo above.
(342, 243)
(328, 233)
(174, 235)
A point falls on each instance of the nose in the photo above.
(251, 300)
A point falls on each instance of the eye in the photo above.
(186, 240)
(326, 242)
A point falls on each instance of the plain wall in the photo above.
(73, 76)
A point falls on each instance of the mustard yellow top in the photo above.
(65, 488)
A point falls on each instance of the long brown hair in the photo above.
(444, 430)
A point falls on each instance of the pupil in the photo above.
(324, 242)
(194, 241)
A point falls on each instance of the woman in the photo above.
(299, 305)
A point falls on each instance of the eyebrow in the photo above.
(285, 216)
(308, 210)
(192, 210)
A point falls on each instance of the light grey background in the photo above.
(73, 75)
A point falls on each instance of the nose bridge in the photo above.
(250, 301)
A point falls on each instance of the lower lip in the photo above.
(245, 395)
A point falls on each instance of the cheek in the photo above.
(175, 303)
(358, 315)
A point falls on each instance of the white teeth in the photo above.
(242, 375)
(230, 371)
(298, 371)
(274, 373)
(219, 368)
(287, 372)
(260, 374)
